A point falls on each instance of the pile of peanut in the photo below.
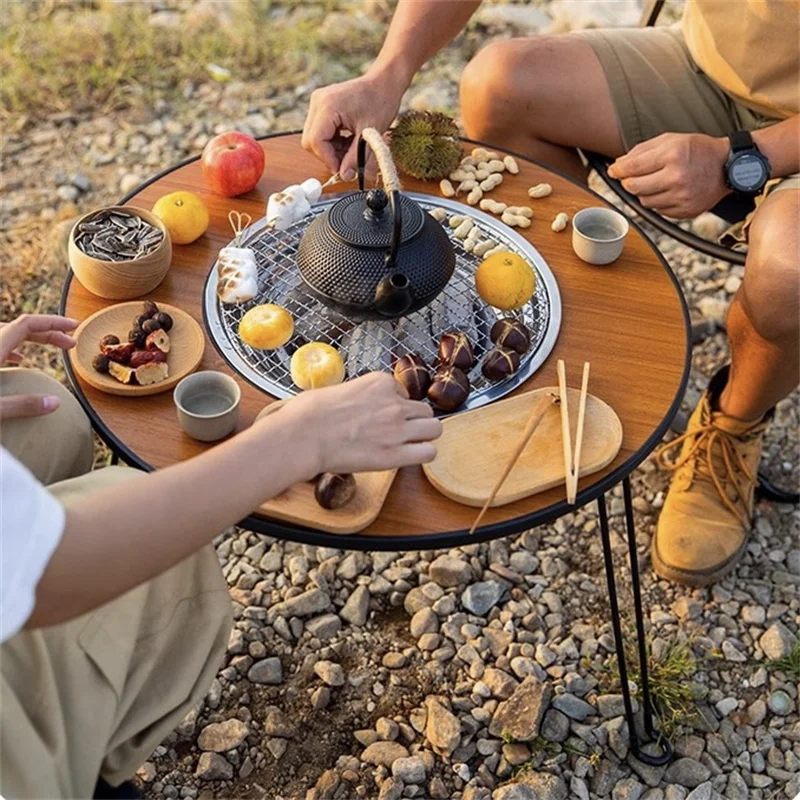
(480, 173)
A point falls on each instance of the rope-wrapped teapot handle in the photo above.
(376, 142)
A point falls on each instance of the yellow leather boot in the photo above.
(706, 519)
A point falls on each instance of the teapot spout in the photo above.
(393, 297)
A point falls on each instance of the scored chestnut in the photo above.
(500, 363)
(164, 320)
(511, 334)
(455, 350)
(333, 490)
(109, 340)
(449, 389)
(149, 308)
(138, 337)
(150, 325)
(411, 372)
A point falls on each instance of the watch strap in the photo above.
(741, 140)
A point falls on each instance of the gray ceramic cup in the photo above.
(598, 235)
(208, 405)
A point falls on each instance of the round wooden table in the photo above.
(628, 319)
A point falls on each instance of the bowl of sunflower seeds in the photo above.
(120, 252)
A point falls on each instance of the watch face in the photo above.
(747, 172)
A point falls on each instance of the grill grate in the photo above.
(376, 345)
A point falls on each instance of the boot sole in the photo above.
(695, 579)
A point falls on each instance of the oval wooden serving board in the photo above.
(476, 446)
(298, 505)
(186, 338)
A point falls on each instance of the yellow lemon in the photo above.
(266, 327)
(184, 214)
(316, 365)
(505, 281)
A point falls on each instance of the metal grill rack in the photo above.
(376, 345)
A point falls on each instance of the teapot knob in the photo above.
(376, 201)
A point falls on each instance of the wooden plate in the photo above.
(186, 337)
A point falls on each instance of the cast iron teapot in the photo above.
(374, 255)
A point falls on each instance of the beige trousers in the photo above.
(96, 695)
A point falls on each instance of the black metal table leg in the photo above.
(654, 736)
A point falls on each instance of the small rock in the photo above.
(356, 609)
(480, 597)
(732, 653)
(424, 621)
(69, 194)
(705, 791)
(450, 571)
(330, 673)
(687, 608)
(81, 183)
(612, 705)
(573, 707)
(409, 770)
(213, 767)
(515, 791)
(754, 615)
(387, 729)
(324, 627)
(391, 789)
(306, 604)
(627, 789)
(269, 671)
(521, 715)
(547, 786)
(277, 723)
(393, 660)
(726, 705)
(129, 182)
(555, 726)
(220, 737)
(320, 698)
(499, 683)
(777, 642)
(277, 747)
(147, 772)
(327, 784)
(443, 729)
(780, 703)
(758, 678)
(687, 772)
(384, 753)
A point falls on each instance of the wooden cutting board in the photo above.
(477, 445)
(297, 504)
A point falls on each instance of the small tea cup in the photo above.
(598, 235)
(208, 405)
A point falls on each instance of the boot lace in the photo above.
(722, 470)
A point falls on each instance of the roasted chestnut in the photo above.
(412, 373)
(150, 309)
(150, 325)
(455, 350)
(449, 388)
(333, 490)
(108, 340)
(139, 320)
(511, 334)
(138, 337)
(164, 320)
(101, 362)
(500, 363)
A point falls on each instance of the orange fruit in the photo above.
(184, 214)
(316, 365)
(505, 281)
(266, 327)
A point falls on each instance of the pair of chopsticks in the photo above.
(572, 462)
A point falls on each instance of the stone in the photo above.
(268, 671)
(387, 729)
(320, 698)
(277, 747)
(356, 609)
(705, 791)
(547, 786)
(306, 604)
(777, 641)
(754, 615)
(324, 627)
(391, 789)
(424, 621)
(515, 791)
(573, 707)
(278, 723)
(687, 772)
(129, 182)
(330, 673)
(520, 716)
(613, 705)
(69, 194)
(687, 608)
(515, 753)
(443, 729)
(81, 182)
(327, 784)
(480, 597)
(384, 754)
(732, 652)
(555, 726)
(450, 571)
(500, 683)
(394, 660)
(726, 705)
(220, 737)
(409, 770)
(780, 703)
(147, 772)
(627, 789)
(213, 767)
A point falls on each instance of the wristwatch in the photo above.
(747, 168)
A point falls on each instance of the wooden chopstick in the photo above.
(566, 437)
(576, 461)
(538, 412)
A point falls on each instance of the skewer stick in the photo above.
(538, 412)
(576, 462)
(565, 431)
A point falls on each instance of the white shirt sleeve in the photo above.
(31, 526)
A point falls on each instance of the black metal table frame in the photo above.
(596, 491)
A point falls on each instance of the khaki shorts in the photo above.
(657, 88)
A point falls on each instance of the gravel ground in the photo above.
(481, 672)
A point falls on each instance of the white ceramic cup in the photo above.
(598, 235)
(208, 405)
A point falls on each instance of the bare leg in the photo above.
(764, 318)
(542, 97)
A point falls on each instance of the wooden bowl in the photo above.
(121, 280)
(186, 337)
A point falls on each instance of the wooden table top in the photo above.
(628, 319)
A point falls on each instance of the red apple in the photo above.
(232, 163)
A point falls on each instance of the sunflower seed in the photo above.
(117, 236)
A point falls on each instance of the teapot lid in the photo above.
(362, 219)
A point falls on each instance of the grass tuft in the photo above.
(789, 665)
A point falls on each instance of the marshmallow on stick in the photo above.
(236, 265)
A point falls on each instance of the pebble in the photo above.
(424, 621)
(324, 627)
(555, 726)
(69, 194)
(725, 706)
(515, 791)
(573, 707)
(303, 605)
(780, 703)
(450, 571)
(442, 729)
(223, 736)
(268, 671)
(687, 772)
(320, 698)
(356, 609)
(384, 753)
(520, 716)
(330, 673)
(480, 597)
(777, 641)
(409, 770)
(213, 767)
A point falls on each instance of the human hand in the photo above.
(369, 101)
(361, 425)
(41, 328)
(679, 175)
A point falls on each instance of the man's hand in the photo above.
(339, 113)
(361, 425)
(679, 175)
(41, 328)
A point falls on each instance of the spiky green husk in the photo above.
(425, 144)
